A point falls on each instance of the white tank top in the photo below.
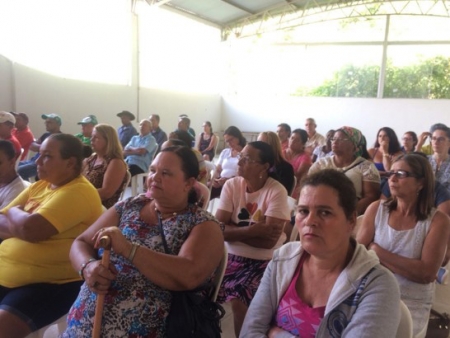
(407, 243)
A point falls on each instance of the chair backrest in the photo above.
(292, 202)
(218, 275)
(125, 185)
(18, 158)
(138, 184)
(203, 193)
(217, 145)
(405, 327)
(210, 172)
(359, 220)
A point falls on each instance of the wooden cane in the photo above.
(105, 243)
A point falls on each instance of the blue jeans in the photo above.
(27, 169)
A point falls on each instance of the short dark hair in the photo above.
(442, 127)
(156, 116)
(286, 127)
(266, 154)
(71, 146)
(235, 132)
(437, 126)
(302, 133)
(8, 148)
(184, 136)
(339, 182)
(189, 166)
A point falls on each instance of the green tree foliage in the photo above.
(428, 79)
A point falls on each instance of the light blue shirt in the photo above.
(142, 161)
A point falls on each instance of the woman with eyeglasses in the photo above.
(350, 157)
(440, 160)
(409, 142)
(385, 150)
(298, 157)
(409, 235)
(253, 209)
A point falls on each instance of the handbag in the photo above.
(192, 313)
(438, 325)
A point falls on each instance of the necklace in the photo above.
(164, 215)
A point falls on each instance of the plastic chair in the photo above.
(211, 171)
(405, 327)
(138, 183)
(18, 159)
(203, 194)
(127, 183)
(359, 220)
(292, 202)
(218, 275)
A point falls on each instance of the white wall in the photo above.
(368, 115)
(6, 91)
(36, 93)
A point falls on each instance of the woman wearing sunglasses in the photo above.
(409, 235)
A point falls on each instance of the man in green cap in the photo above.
(28, 168)
(87, 125)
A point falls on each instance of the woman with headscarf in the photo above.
(350, 157)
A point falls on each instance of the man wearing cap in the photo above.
(140, 150)
(28, 168)
(126, 131)
(23, 133)
(7, 122)
(159, 135)
(87, 125)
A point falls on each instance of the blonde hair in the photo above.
(274, 142)
(113, 146)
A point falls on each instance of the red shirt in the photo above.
(25, 138)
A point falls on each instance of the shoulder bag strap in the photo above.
(161, 230)
(344, 171)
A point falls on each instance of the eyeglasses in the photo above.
(407, 139)
(245, 159)
(438, 139)
(401, 174)
(336, 139)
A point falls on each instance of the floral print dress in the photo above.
(134, 306)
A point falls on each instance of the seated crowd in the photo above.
(338, 280)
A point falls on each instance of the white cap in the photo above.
(7, 117)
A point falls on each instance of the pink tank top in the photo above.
(293, 315)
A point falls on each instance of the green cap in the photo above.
(89, 119)
(53, 117)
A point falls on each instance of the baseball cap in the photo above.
(126, 112)
(22, 115)
(89, 119)
(53, 117)
(7, 117)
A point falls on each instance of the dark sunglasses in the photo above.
(401, 174)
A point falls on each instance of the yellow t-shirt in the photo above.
(71, 209)
(427, 150)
